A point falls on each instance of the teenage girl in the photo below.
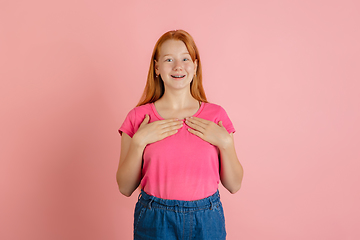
(178, 147)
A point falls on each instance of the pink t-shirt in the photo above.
(182, 166)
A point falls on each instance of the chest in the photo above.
(180, 114)
(182, 145)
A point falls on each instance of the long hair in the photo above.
(154, 88)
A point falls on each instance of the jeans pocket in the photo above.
(221, 220)
(210, 223)
(219, 209)
(138, 213)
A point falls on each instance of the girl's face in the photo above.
(175, 65)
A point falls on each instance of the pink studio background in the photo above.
(287, 72)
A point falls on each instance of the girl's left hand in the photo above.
(213, 133)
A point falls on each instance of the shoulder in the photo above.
(134, 119)
(140, 110)
(213, 108)
(217, 113)
(212, 105)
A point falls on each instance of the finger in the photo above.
(160, 124)
(197, 133)
(194, 123)
(168, 133)
(165, 121)
(169, 122)
(220, 124)
(171, 128)
(195, 126)
(146, 120)
(200, 121)
(172, 125)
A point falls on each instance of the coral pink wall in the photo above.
(287, 72)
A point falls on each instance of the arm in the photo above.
(128, 175)
(231, 171)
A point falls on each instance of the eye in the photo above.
(168, 60)
(185, 59)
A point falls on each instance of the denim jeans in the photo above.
(157, 218)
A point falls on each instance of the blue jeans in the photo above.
(157, 218)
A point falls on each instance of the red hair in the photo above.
(154, 88)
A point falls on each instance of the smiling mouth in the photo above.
(178, 76)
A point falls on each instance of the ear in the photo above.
(156, 66)
(196, 64)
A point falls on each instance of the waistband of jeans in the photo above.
(209, 201)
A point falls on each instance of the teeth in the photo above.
(178, 76)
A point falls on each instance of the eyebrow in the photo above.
(181, 54)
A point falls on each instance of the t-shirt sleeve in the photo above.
(128, 125)
(226, 121)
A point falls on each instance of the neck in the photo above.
(177, 99)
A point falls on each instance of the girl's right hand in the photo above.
(156, 131)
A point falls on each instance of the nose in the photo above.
(178, 65)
